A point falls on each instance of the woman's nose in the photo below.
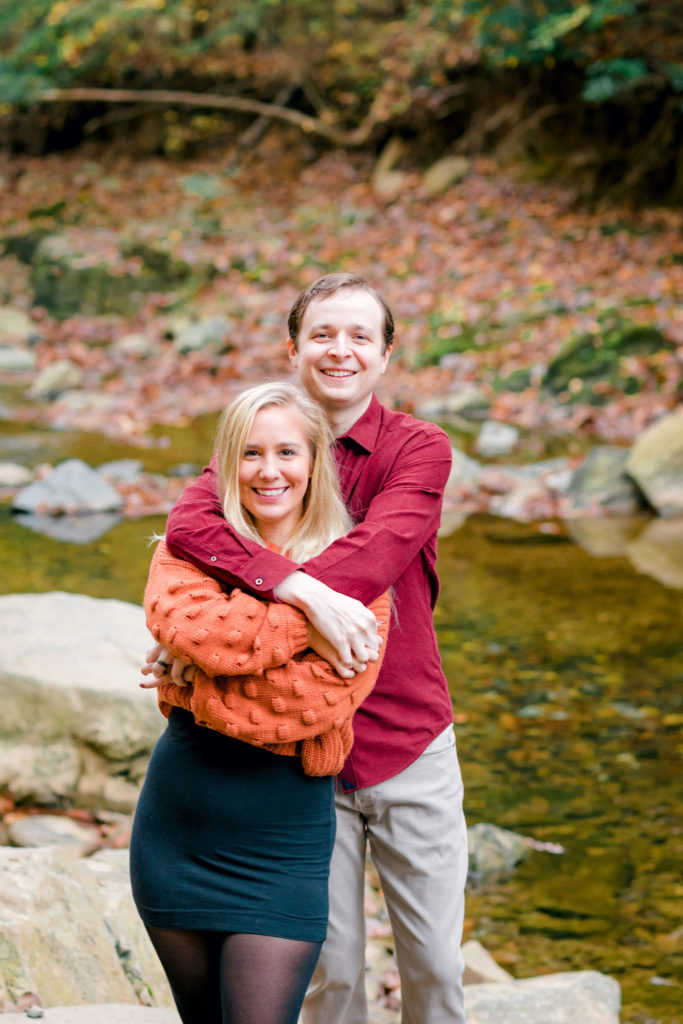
(269, 468)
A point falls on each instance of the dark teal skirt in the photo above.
(229, 837)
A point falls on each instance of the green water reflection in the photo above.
(565, 672)
(568, 671)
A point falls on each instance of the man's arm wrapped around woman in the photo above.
(256, 679)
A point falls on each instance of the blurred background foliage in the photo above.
(590, 89)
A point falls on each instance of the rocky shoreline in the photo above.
(75, 737)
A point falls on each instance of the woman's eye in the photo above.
(288, 452)
(250, 453)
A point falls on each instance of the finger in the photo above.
(189, 673)
(153, 653)
(177, 669)
(150, 684)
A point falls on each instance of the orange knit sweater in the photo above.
(256, 679)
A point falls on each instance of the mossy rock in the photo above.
(518, 380)
(95, 275)
(596, 358)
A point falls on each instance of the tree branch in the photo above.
(172, 98)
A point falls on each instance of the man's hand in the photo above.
(347, 626)
(164, 668)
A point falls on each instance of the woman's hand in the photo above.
(164, 668)
(321, 646)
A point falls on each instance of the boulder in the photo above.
(70, 934)
(212, 335)
(568, 998)
(496, 438)
(110, 1013)
(480, 966)
(69, 674)
(591, 365)
(16, 360)
(468, 403)
(601, 482)
(37, 830)
(14, 475)
(655, 462)
(72, 487)
(137, 345)
(15, 325)
(53, 379)
(448, 171)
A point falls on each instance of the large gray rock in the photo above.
(15, 324)
(656, 464)
(601, 482)
(56, 377)
(70, 934)
(496, 438)
(110, 1013)
(582, 997)
(72, 487)
(75, 725)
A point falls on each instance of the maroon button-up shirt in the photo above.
(393, 470)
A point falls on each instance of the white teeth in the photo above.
(338, 373)
(271, 492)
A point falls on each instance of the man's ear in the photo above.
(291, 348)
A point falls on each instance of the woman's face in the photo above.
(275, 470)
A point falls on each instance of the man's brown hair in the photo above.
(329, 285)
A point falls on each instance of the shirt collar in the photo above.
(365, 430)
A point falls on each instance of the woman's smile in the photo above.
(274, 472)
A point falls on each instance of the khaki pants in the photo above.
(418, 843)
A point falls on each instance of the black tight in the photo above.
(235, 978)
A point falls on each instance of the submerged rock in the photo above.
(493, 849)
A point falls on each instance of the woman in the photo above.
(234, 827)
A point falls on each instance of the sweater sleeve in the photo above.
(304, 701)
(224, 634)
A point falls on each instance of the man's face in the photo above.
(340, 353)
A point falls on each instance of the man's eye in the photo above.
(320, 336)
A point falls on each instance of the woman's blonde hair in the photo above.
(324, 516)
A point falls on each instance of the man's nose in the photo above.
(340, 344)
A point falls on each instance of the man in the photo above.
(400, 789)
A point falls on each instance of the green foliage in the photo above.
(607, 78)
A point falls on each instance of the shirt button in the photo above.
(214, 558)
(258, 581)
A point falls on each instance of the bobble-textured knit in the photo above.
(257, 681)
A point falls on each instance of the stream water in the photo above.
(565, 672)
